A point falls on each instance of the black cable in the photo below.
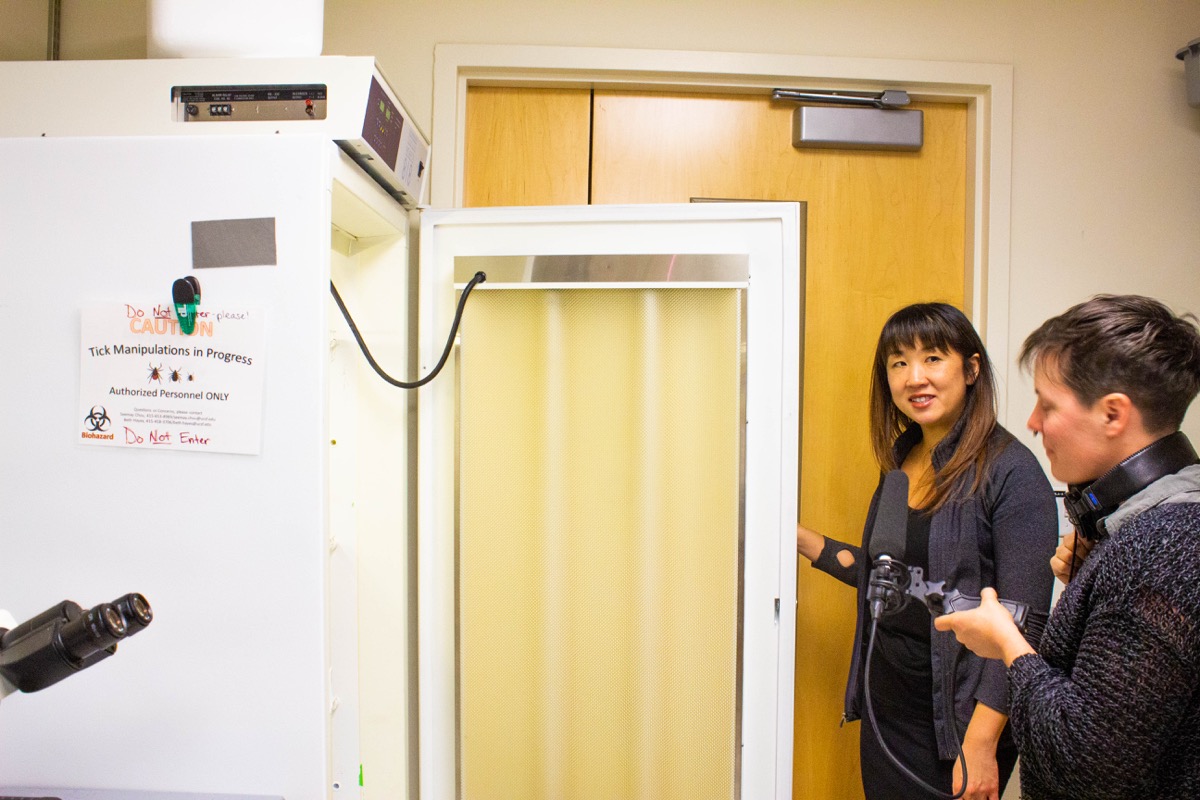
(1060, 494)
(1071, 568)
(879, 736)
(479, 277)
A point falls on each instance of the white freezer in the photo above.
(249, 560)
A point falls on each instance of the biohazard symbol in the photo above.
(97, 420)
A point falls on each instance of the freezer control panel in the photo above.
(247, 103)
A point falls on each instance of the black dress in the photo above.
(902, 697)
(902, 694)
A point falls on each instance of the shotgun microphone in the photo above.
(892, 582)
(889, 576)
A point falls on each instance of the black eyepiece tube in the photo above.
(64, 612)
(97, 629)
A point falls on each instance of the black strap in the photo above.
(1166, 456)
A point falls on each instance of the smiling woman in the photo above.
(930, 369)
(980, 512)
(930, 385)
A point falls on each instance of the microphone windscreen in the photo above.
(890, 531)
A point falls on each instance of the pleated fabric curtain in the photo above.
(600, 468)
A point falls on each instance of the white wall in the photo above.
(1106, 151)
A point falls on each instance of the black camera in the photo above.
(66, 638)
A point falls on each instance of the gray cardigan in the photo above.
(1002, 537)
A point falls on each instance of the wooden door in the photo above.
(883, 229)
(526, 147)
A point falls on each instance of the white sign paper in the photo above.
(144, 383)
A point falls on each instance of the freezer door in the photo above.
(607, 502)
(228, 690)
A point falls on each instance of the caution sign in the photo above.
(144, 383)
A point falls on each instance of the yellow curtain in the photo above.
(600, 468)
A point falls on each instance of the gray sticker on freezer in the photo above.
(233, 243)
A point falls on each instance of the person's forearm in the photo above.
(986, 725)
(979, 754)
(809, 543)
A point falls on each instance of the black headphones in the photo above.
(1088, 504)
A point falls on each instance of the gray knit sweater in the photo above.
(1109, 707)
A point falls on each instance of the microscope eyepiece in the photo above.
(135, 610)
(97, 629)
(114, 623)
(65, 639)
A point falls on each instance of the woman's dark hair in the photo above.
(943, 327)
(1123, 343)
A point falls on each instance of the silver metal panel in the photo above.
(241, 103)
(858, 128)
(233, 243)
(608, 268)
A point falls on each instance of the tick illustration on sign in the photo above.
(176, 375)
(155, 373)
